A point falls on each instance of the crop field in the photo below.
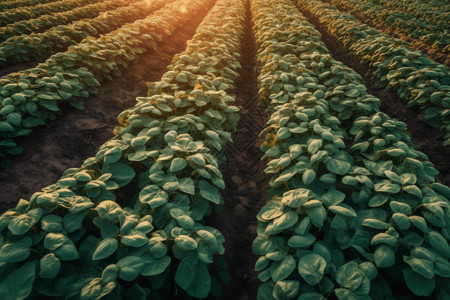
(225, 149)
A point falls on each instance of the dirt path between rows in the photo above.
(426, 49)
(246, 182)
(70, 139)
(428, 139)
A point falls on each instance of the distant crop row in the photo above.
(22, 13)
(10, 4)
(341, 216)
(413, 76)
(38, 45)
(48, 21)
(434, 32)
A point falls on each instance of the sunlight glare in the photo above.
(183, 9)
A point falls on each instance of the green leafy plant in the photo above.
(21, 13)
(347, 205)
(31, 97)
(77, 239)
(413, 76)
(37, 45)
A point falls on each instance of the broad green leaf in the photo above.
(51, 223)
(387, 186)
(264, 244)
(49, 266)
(399, 207)
(280, 270)
(262, 263)
(369, 269)
(154, 266)
(392, 176)
(350, 276)
(186, 270)
(265, 292)
(314, 145)
(286, 289)
(378, 200)
(301, 241)
(308, 176)
(73, 222)
(384, 238)
(121, 173)
(422, 266)
(442, 267)
(153, 196)
(68, 251)
(296, 198)
(345, 294)
(185, 243)
(53, 241)
(375, 224)
(311, 267)
(317, 215)
(209, 192)
(401, 220)
(130, 267)
(419, 222)
(384, 256)
(418, 284)
(134, 238)
(19, 225)
(438, 242)
(187, 185)
(92, 290)
(338, 165)
(343, 209)
(333, 197)
(282, 222)
(177, 164)
(311, 296)
(273, 209)
(413, 190)
(15, 251)
(109, 210)
(109, 230)
(201, 285)
(110, 273)
(19, 283)
(105, 248)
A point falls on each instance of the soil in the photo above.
(245, 180)
(426, 49)
(427, 139)
(75, 136)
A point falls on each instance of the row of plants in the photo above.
(48, 21)
(8, 4)
(31, 97)
(415, 78)
(22, 13)
(116, 13)
(354, 211)
(433, 33)
(431, 11)
(82, 239)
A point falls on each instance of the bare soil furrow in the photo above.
(246, 182)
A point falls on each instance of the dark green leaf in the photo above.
(311, 267)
